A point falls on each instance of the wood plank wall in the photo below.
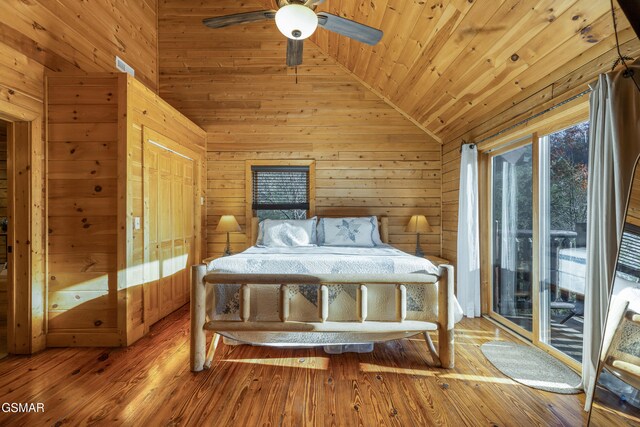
(95, 163)
(3, 191)
(234, 83)
(83, 227)
(74, 36)
(21, 98)
(3, 254)
(352, 179)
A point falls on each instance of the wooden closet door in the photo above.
(179, 253)
(165, 232)
(170, 202)
(189, 201)
(152, 262)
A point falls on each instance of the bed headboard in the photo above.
(383, 225)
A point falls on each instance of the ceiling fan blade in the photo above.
(239, 18)
(346, 27)
(294, 52)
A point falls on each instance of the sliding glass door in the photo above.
(512, 225)
(537, 213)
(564, 158)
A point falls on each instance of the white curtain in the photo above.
(614, 145)
(468, 266)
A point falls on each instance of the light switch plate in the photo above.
(136, 223)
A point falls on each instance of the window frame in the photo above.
(249, 212)
(565, 116)
(486, 224)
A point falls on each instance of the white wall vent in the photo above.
(124, 67)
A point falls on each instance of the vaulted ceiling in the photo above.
(446, 63)
(449, 65)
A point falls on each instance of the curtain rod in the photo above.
(522, 122)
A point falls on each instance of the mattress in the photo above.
(382, 260)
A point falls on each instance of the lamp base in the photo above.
(227, 249)
(419, 252)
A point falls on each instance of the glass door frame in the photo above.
(486, 254)
(486, 163)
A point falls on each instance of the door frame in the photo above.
(486, 171)
(26, 285)
(567, 116)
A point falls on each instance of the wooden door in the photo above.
(178, 234)
(165, 233)
(152, 242)
(170, 206)
(190, 197)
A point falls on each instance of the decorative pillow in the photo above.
(287, 232)
(349, 231)
(375, 232)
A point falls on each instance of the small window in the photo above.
(280, 192)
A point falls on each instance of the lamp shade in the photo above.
(296, 21)
(418, 224)
(228, 223)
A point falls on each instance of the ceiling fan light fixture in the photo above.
(296, 21)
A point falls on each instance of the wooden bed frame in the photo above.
(202, 359)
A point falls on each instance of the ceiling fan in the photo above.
(297, 20)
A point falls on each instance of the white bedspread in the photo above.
(323, 260)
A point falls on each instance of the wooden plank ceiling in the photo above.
(452, 64)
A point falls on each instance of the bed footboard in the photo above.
(201, 359)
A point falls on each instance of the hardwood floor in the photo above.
(150, 384)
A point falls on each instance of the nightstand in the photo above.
(211, 258)
(436, 260)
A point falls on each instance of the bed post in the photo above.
(384, 229)
(254, 230)
(445, 316)
(198, 317)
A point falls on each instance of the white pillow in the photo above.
(375, 233)
(349, 231)
(287, 232)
